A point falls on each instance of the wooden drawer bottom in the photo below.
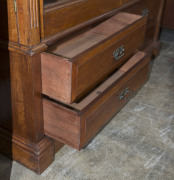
(76, 124)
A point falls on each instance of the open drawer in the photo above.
(76, 124)
(72, 67)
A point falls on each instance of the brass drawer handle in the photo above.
(124, 93)
(119, 53)
(145, 12)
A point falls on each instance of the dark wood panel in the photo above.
(149, 8)
(168, 17)
(26, 96)
(57, 146)
(67, 16)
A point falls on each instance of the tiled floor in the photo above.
(137, 144)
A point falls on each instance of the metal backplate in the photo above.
(145, 12)
(119, 53)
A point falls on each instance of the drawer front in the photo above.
(76, 124)
(95, 120)
(72, 68)
(106, 60)
(66, 16)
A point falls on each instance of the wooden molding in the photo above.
(22, 49)
(36, 157)
(26, 50)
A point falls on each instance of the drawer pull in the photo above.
(145, 12)
(124, 93)
(119, 53)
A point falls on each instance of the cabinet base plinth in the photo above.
(36, 157)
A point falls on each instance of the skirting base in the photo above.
(36, 157)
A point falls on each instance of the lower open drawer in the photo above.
(76, 124)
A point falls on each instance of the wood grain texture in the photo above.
(97, 67)
(41, 19)
(26, 96)
(67, 16)
(77, 124)
(50, 40)
(89, 39)
(96, 120)
(57, 146)
(28, 22)
(12, 22)
(36, 157)
(56, 77)
(66, 129)
(91, 55)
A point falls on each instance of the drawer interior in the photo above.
(73, 66)
(84, 41)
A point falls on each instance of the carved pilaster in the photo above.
(28, 22)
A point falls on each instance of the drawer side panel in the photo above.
(61, 123)
(56, 77)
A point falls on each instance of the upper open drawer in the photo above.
(72, 67)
